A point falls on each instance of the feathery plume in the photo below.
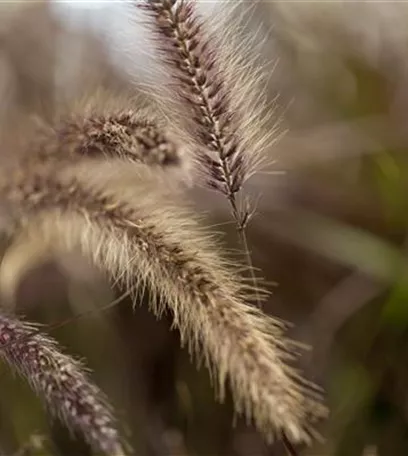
(212, 96)
(126, 135)
(61, 381)
(144, 241)
(212, 99)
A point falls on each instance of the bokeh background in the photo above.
(330, 233)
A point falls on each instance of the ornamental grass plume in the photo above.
(212, 99)
(138, 239)
(98, 182)
(126, 135)
(61, 382)
(211, 95)
(102, 127)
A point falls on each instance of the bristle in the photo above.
(141, 241)
(211, 98)
(125, 135)
(61, 381)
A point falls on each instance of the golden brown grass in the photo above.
(99, 128)
(210, 95)
(62, 383)
(209, 92)
(98, 181)
(146, 242)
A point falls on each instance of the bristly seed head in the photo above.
(202, 86)
(126, 136)
(122, 135)
(140, 242)
(61, 381)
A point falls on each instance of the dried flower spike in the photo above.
(122, 135)
(138, 239)
(61, 381)
(211, 97)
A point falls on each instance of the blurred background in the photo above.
(330, 233)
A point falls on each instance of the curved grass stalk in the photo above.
(139, 238)
(61, 381)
